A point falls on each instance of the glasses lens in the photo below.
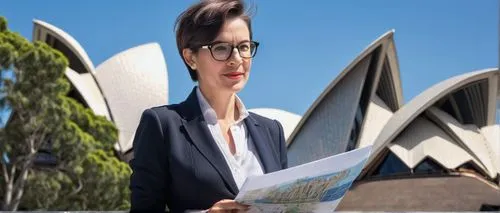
(247, 49)
(221, 51)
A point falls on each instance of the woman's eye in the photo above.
(244, 47)
(220, 48)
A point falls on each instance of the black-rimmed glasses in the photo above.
(222, 51)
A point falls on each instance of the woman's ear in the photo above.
(189, 58)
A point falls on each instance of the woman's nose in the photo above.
(235, 58)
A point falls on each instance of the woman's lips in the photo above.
(234, 75)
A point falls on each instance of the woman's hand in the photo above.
(228, 206)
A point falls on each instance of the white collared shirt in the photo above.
(245, 161)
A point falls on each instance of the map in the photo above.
(314, 187)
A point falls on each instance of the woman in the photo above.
(195, 155)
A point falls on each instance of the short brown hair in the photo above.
(201, 23)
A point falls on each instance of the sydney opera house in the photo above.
(120, 88)
(437, 152)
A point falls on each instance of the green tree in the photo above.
(86, 175)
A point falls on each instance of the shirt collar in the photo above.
(209, 113)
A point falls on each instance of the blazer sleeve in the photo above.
(149, 179)
(282, 146)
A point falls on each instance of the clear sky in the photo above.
(304, 44)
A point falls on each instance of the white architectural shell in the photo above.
(470, 138)
(287, 119)
(384, 39)
(42, 29)
(121, 88)
(469, 143)
(492, 135)
(337, 120)
(377, 116)
(132, 81)
(422, 139)
(87, 87)
(84, 81)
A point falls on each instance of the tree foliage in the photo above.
(86, 176)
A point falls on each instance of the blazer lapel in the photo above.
(262, 141)
(196, 127)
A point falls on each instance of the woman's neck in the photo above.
(223, 103)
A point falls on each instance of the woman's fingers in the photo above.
(228, 205)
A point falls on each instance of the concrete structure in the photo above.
(439, 152)
(353, 108)
(120, 88)
(457, 115)
(431, 193)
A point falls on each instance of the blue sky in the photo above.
(304, 46)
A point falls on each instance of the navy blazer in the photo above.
(177, 162)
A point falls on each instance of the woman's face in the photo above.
(232, 74)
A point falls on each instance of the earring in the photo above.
(193, 66)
